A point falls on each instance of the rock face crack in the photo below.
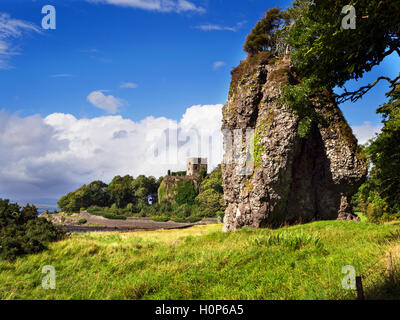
(295, 179)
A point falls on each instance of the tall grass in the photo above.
(299, 262)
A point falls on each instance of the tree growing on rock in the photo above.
(264, 36)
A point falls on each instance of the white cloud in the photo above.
(108, 103)
(11, 29)
(217, 27)
(62, 75)
(366, 131)
(48, 157)
(155, 5)
(218, 64)
(128, 85)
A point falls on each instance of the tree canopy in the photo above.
(22, 231)
(264, 36)
(384, 152)
(121, 192)
(330, 55)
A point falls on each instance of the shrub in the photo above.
(129, 207)
(193, 219)
(209, 202)
(160, 219)
(114, 216)
(82, 221)
(165, 207)
(148, 211)
(23, 232)
(221, 214)
(182, 211)
(185, 192)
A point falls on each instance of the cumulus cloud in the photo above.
(366, 131)
(155, 5)
(47, 157)
(12, 29)
(108, 103)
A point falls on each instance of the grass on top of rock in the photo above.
(299, 262)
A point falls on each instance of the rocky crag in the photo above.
(296, 178)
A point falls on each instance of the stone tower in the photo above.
(194, 165)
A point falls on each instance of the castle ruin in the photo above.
(194, 166)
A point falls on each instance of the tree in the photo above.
(210, 202)
(144, 186)
(263, 36)
(213, 181)
(327, 55)
(97, 194)
(384, 152)
(120, 191)
(185, 192)
(22, 231)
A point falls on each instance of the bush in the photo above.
(182, 211)
(82, 221)
(193, 219)
(160, 219)
(185, 192)
(221, 214)
(114, 216)
(22, 232)
(148, 211)
(210, 202)
(106, 213)
(165, 207)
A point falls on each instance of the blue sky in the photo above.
(126, 68)
(166, 54)
(98, 46)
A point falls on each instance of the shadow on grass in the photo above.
(386, 290)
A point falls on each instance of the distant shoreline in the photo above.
(100, 224)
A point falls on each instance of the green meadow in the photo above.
(299, 262)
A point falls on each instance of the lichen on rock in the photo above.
(297, 178)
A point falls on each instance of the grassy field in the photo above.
(299, 262)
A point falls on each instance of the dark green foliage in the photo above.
(264, 37)
(327, 55)
(161, 219)
(183, 211)
(122, 191)
(384, 152)
(177, 174)
(82, 221)
(22, 232)
(379, 197)
(186, 192)
(211, 199)
(126, 197)
(109, 213)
